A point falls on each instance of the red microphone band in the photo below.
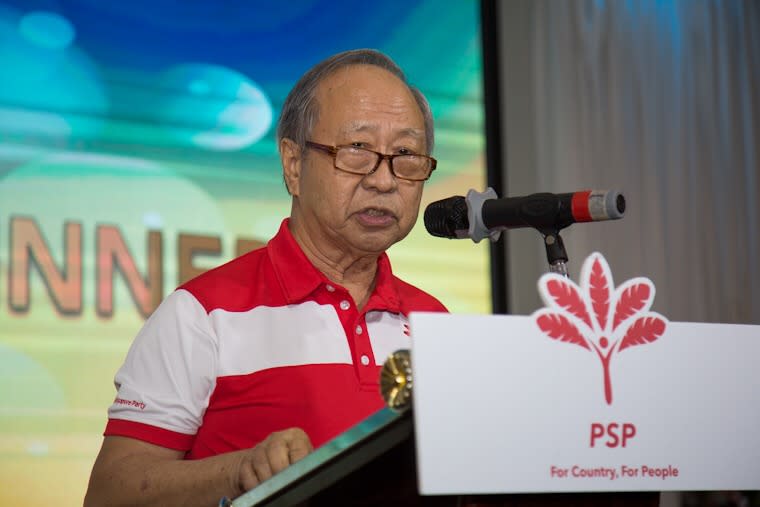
(579, 206)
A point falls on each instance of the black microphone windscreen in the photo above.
(447, 218)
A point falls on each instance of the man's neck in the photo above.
(354, 271)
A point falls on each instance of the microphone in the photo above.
(482, 214)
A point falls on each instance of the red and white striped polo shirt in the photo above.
(260, 344)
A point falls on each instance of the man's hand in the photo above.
(278, 451)
(133, 472)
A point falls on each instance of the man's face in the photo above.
(364, 106)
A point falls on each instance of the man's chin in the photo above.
(377, 242)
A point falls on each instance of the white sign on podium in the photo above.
(592, 393)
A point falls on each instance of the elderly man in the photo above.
(243, 370)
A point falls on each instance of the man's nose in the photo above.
(382, 178)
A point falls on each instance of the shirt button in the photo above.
(359, 330)
(345, 305)
(365, 359)
(329, 288)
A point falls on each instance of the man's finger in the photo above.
(297, 439)
(260, 463)
(248, 478)
(278, 454)
(292, 444)
(278, 451)
(299, 448)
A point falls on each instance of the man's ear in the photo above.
(290, 154)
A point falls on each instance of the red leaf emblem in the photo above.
(599, 292)
(632, 300)
(567, 296)
(643, 330)
(621, 314)
(560, 328)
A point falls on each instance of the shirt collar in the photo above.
(299, 278)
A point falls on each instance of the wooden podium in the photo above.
(373, 464)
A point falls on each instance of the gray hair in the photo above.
(301, 110)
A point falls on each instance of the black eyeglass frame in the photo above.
(333, 151)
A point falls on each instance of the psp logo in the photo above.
(597, 316)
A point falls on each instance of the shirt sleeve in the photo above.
(164, 385)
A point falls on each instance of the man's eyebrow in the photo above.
(412, 132)
(356, 126)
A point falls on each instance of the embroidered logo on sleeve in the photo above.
(129, 403)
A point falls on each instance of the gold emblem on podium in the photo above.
(396, 380)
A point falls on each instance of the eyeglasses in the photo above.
(356, 160)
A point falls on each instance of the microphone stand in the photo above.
(477, 230)
(556, 254)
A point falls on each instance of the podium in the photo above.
(373, 464)
(531, 411)
(594, 400)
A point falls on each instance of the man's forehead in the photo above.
(361, 83)
(362, 99)
(360, 126)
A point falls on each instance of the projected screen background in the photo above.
(137, 149)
